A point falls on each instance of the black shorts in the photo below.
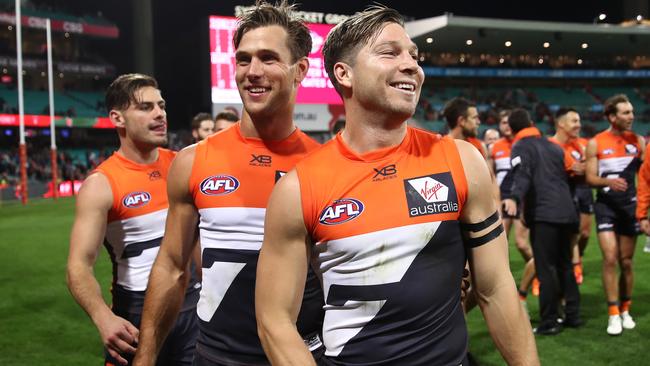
(620, 220)
(584, 200)
(313, 342)
(178, 348)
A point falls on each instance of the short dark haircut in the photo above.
(455, 108)
(346, 39)
(121, 93)
(196, 121)
(563, 111)
(280, 14)
(519, 119)
(610, 105)
(228, 116)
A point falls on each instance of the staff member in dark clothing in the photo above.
(539, 179)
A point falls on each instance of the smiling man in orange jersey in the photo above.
(613, 158)
(219, 189)
(123, 205)
(382, 210)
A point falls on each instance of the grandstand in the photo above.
(540, 66)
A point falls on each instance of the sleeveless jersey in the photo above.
(136, 224)
(231, 181)
(574, 151)
(387, 245)
(500, 154)
(478, 144)
(618, 156)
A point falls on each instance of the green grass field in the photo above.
(40, 324)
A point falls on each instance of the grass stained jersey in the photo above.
(388, 248)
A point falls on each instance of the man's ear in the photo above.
(343, 74)
(302, 67)
(117, 118)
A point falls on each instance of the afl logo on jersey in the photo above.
(136, 199)
(340, 211)
(218, 185)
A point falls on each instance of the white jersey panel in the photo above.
(124, 236)
(607, 166)
(232, 227)
(376, 258)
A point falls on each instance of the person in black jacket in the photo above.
(540, 182)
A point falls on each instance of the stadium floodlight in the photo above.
(584, 45)
(502, 60)
(469, 42)
(602, 16)
(546, 44)
(540, 61)
(508, 43)
(639, 18)
(579, 61)
(429, 40)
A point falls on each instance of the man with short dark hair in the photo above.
(463, 122)
(388, 215)
(202, 126)
(539, 180)
(123, 205)
(218, 191)
(224, 120)
(613, 158)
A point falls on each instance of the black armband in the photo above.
(473, 242)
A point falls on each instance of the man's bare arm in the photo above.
(488, 259)
(92, 206)
(170, 273)
(591, 173)
(281, 276)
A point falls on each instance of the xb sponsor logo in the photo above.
(630, 149)
(155, 175)
(136, 199)
(608, 151)
(387, 172)
(431, 194)
(218, 185)
(260, 160)
(340, 211)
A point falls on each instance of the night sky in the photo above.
(181, 33)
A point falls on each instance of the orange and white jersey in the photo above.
(618, 156)
(574, 151)
(500, 154)
(136, 221)
(388, 247)
(231, 181)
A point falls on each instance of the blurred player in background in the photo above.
(202, 126)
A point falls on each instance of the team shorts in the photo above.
(179, 346)
(201, 359)
(621, 220)
(584, 200)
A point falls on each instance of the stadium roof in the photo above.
(449, 33)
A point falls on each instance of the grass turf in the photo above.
(40, 324)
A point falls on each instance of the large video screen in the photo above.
(315, 89)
